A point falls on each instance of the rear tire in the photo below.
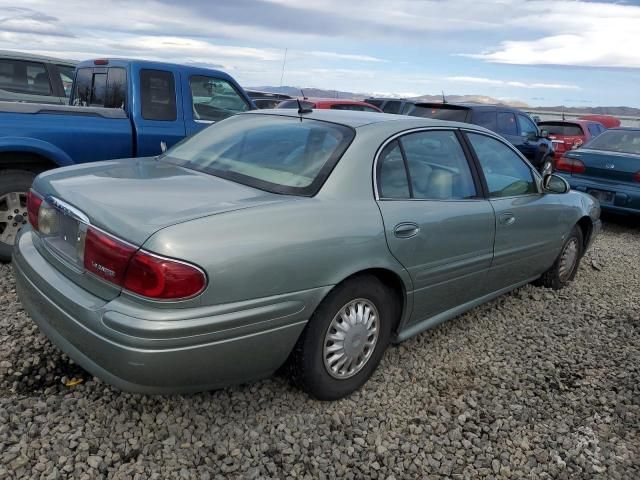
(566, 265)
(312, 366)
(14, 185)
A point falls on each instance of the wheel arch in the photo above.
(391, 280)
(586, 226)
(31, 154)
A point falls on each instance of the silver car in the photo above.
(304, 239)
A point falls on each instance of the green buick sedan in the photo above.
(309, 240)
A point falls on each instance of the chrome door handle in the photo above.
(507, 219)
(406, 230)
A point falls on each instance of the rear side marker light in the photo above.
(636, 176)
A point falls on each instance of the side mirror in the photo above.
(555, 184)
(544, 134)
(531, 136)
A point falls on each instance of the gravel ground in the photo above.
(537, 384)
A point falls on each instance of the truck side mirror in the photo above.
(544, 134)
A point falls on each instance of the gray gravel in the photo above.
(537, 384)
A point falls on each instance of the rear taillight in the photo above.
(570, 165)
(140, 272)
(636, 177)
(33, 207)
(163, 278)
(106, 256)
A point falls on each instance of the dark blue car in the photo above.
(607, 167)
(514, 125)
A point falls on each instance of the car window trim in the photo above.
(537, 179)
(480, 189)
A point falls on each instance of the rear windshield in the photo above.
(624, 141)
(564, 129)
(440, 113)
(279, 154)
(377, 103)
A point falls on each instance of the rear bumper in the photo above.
(627, 199)
(160, 350)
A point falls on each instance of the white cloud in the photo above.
(512, 83)
(593, 34)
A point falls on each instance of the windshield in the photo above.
(564, 129)
(624, 141)
(440, 113)
(289, 155)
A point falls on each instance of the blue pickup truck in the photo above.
(118, 109)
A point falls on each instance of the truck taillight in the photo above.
(34, 201)
(636, 177)
(140, 272)
(569, 165)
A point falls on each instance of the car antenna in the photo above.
(304, 97)
(302, 109)
(444, 100)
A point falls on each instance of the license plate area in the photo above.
(67, 236)
(602, 195)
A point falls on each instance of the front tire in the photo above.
(14, 185)
(566, 265)
(345, 339)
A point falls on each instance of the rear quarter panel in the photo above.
(287, 247)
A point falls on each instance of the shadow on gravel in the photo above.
(617, 222)
(38, 378)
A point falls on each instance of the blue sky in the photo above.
(541, 52)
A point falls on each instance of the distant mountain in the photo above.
(323, 93)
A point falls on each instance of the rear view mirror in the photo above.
(555, 184)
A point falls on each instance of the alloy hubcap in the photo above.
(13, 215)
(351, 339)
(568, 259)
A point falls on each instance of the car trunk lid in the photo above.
(130, 200)
(607, 166)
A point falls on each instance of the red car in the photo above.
(609, 121)
(570, 134)
(330, 103)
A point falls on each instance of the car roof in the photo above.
(31, 56)
(333, 101)
(357, 119)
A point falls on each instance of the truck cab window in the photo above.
(100, 87)
(158, 95)
(215, 99)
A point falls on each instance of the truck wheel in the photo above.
(14, 185)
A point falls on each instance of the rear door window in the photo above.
(507, 123)
(66, 76)
(24, 77)
(215, 99)
(158, 95)
(594, 129)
